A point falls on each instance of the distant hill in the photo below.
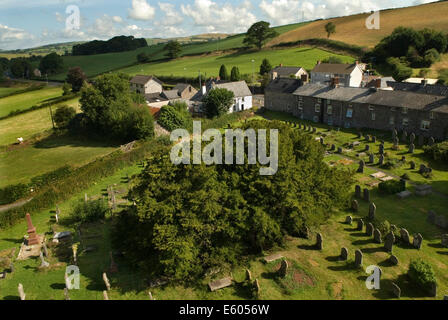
(191, 39)
(59, 48)
(352, 30)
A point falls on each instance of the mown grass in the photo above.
(189, 67)
(28, 124)
(27, 100)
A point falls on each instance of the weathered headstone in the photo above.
(367, 148)
(394, 260)
(106, 281)
(45, 249)
(394, 133)
(389, 242)
(359, 135)
(257, 288)
(431, 141)
(283, 268)
(381, 160)
(333, 147)
(372, 211)
(412, 138)
(319, 241)
(396, 290)
(322, 141)
(367, 195)
(340, 151)
(355, 205)
(418, 241)
(43, 263)
(358, 258)
(404, 137)
(344, 254)
(374, 139)
(369, 229)
(151, 298)
(86, 198)
(381, 149)
(358, 191)
(405, 236)
(349, 220)
(372, 158)
(21, 292)
(377, 236)
(396, 142)
(411, 148)
(412, 164)
(360, 225)
(433, 290)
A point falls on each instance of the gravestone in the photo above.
(333, 147)
(367, 195)
(359, 135)
(374, 139)
(344, 254)
(314, 130)
(355, 205)
(418, 241)
(220, 284)
(377, 236)
(349, 220)
(423, 169)
(319, 241)
(372, 211)
(445, 240)
(423, 190)
(358, 258)
(340, 151)
(396, 290)
(248, 275)
(21, 292)
(381, 160)
(151, 298)
(43, 263)
(381, 149)
(273, 257)
(86, 198)
(432, 217)
(360, 226)
(394, 133)
(11, 268)
(433, 290)
(412, 138)
(403, 159)
(396, 142)
(283, 268)
(257, 288)
(405, 236)
(413, 165)
(394, 260)
(371, 158)
(404, 137)
(44, 247)
(358, 191)
(369, 229)
(322, 141)
(411, 148)
(389, 242)
(106, 281)
(367, 148)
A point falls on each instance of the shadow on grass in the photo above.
(58, 286)
(373, 250)
(362, 242)
(348, 265)
(58, 140)
(11, 298)
(333, 258)
(358, 235)
(16, 241)
(311, 247)
(407, 289)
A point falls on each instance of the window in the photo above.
(373, 116)
(317, 108)
(329, 110)
(392, 120)
(425, 125)
(349, 113)
(405, 122)
(404, 110)
(432, 116)
(371, 108)
(319, 100)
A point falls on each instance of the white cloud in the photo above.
(172, 16)
(8, 34)
(214, 17)
(141, 10)
(117, 19)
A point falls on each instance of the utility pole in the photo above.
(51, 114)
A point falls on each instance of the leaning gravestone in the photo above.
(367, 195)
(349, 220)
(372, 211)
(21, 292)
(355, 205)
(43, 263)
(344, 254)
(358, 191)
(319, 242)
(360, 225)
(418, 241)
(369, 229)
(248, 275)
(333, 147)
(394, 260)
(389, 242)
(220, 284)
(283, 268)
(358, 258)
(377, 236)
(405, 236)
(106, 281)
(396, 290)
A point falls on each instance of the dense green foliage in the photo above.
(218, 102)
(108, 110)
(143, 57)
(76, 78)
(63, 116)
(259, 34)
(175, 116)
(235, 74)
(13, 193)
(443, 77)
(422, 274)
(400, 71)
(51, 64)
(438, 152)
(116, 44)
(391, 187)
(89, 211)
(333, 59)
(223, 73)
(330, 28)
(190, 218)
(265, 67)
(20, 67)
(174, 49)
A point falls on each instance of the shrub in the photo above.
(13, 193)
(422, 274)
(391, 187)
(175, 116)
(50, 177)
(382, 226)
(438, 152)
(63, 116)
(89, 211)
(392, 163)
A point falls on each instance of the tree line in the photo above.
(116, 44)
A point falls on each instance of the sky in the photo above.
(31, 23)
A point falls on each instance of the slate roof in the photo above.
(155, 97)
(181, 87)
(239, 88)
(433, 89)
(142, 79)
(335, 68)
(286, 71)
(400, 99)
(171, 94)
(283, 85)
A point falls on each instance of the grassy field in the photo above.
(188, 67)
(21, 163)
(29, 124)
(352, 29)
(27, 100)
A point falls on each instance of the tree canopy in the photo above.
(218, 102)
(116, 44)
(259, 34)
(265, 67)
(52, 63)
(76, 78)
(193, 218)
(223, 73)
(330, 28)
(174, 49)
(235, 74)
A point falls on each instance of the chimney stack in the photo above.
(318, 62)
(424, 82)
(335, 82)
(378, 83)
